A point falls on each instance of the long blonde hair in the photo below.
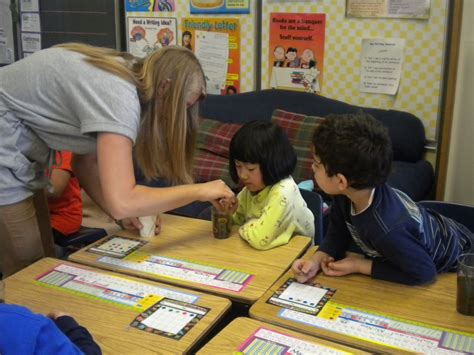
(167, 135)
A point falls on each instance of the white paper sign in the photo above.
(30, 22)
(381, 64)
(29, 5)
(212, 50)
(31, 42)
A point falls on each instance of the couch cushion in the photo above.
(212, 151)
(299, 129)
(215, 136)
(208, 166)
(415, 179)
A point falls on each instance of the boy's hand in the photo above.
(305, 270)
(349, 265)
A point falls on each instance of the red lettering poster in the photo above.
(296, 57)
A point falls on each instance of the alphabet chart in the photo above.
(301, 297)
(385, 330)
(169, 318)
(183, 270)
(117, 247)
(266, 341)
(108, 288)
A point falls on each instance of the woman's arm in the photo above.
(109, 179)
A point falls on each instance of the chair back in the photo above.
(463, 214)
(314, 202)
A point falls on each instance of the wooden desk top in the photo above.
(229, 340)
(191, 240)
(433, 304)
(107, 322)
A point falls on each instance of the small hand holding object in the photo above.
(349, 265)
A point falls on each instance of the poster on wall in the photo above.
(150, 5)
(296, 57)
(381, 65)
(147, 34)
(417, 9)
(216, 42)
(219, 6)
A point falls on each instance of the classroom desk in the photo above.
(191, 240)
(232, 337)
(108, 322)
(434, 304)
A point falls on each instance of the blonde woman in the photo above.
(108, 108)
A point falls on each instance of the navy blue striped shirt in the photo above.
(407, 243)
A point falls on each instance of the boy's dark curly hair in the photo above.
(355, 145)
(264, 143)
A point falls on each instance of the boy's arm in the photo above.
(337, 238)
(79, 335)
(404, 260)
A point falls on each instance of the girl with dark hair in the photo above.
(270, 208)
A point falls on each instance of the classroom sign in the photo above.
(296, 55)
(147, 34)
(216, 42)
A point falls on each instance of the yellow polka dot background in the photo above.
(420, 82)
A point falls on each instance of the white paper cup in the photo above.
(149, 225)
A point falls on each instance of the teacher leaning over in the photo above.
(107, 107)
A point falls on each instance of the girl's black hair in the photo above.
(266, 144)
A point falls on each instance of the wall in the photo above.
(460, 176)
(419, 91)
(247, 37)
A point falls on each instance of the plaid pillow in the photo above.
(299, 129)
(212, 151)
(215, 136)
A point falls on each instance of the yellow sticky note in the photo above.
(137, 257)
(330, 311)
(148, 301)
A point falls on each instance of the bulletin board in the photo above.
(422, 70)
(248, 35)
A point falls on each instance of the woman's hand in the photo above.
(218, 193)
(134, 223)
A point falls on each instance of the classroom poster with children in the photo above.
(216, 42)
(296, 57)
(147, 34)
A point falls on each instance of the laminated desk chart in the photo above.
(162, 311)
(373, 327)
(271, 342)
(133, 259)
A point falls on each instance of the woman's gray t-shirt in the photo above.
(55, 100)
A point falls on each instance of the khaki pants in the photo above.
(25, 233)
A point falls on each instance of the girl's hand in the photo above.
(349, 265)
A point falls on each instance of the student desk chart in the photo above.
(372, 314)
(108, 303)
(185, 253)
(248, 336)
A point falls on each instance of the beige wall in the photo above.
(460, 175)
